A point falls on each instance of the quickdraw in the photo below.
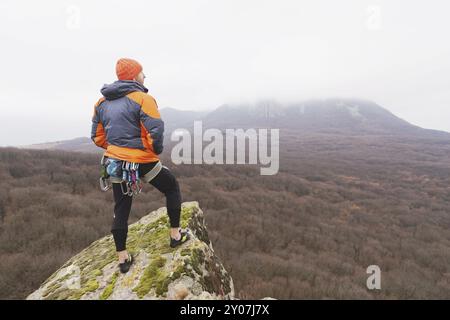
(130, 175)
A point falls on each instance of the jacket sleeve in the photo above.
(151, 120)
(98, 134)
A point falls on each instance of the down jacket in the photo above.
(127, 123)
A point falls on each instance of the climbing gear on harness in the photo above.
(114, 168)
(105, 183)
(130, 175)
(126, 173)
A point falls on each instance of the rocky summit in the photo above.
(190, 271)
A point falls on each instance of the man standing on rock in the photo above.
(127, 123)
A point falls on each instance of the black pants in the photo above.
(165, 182)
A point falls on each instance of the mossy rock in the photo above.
(190, 271)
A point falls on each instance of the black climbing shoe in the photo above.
(185, 236)
(125, 266)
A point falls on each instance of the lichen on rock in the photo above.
(190, 271)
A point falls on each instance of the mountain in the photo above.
(345, 116)
(81, 144)
(190, 271)
(348, 117)
(174, 118)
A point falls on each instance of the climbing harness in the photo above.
(126, 173)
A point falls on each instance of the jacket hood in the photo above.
(121, 88)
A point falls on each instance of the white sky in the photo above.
(55, 56)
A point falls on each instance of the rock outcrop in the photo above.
(190, 271)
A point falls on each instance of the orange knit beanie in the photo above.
(127, 69)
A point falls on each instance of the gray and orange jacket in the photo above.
(127, 123)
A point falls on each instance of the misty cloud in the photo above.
(201, 54)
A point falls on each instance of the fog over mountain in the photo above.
(200, 54)
(330, 116)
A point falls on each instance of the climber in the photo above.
(127, 123)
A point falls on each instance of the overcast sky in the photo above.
(55, 56)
